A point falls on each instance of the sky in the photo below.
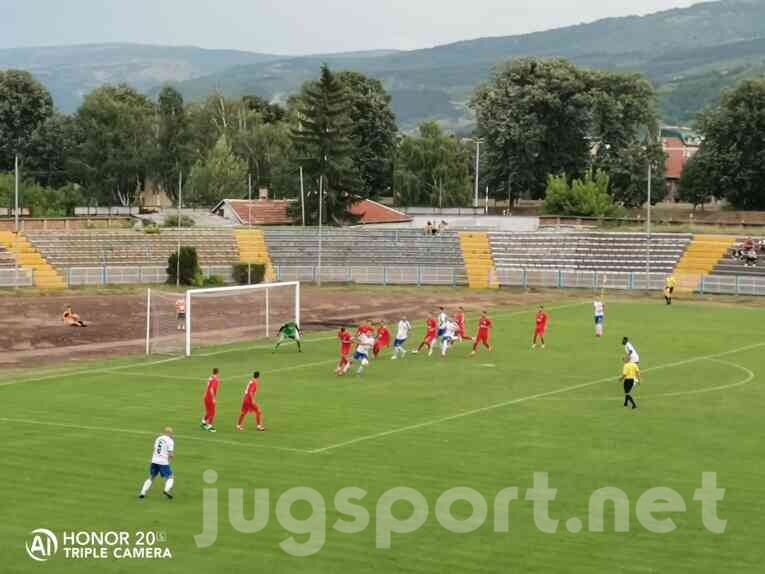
(296, 26)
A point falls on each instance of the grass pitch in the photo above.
(76, 448)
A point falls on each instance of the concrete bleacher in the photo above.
(68, 249)
(368, 247)
(730, 265)
(7, 259)
(585, 250)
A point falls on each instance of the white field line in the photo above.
(237, 376)
(150, 433)
(750, 376)
(424, 424)
(523, 400)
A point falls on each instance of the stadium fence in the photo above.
(113, 275)
(16, 277)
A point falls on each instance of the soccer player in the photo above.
(164, 450)
(484, 333)
(180, 314)
(364, 344)
(431, 335)
(211, 392)
(402, 334)
(459, 318)
(443, 318)
(71, 318)
(669, 288)
(630, 378)
(382, 340)
(346, 341)
(365, 328)
(600, 316)
(289, 330)
(249, 405)
(630, 352)
(449, 337)
(540, 328)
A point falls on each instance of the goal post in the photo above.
(218, 315)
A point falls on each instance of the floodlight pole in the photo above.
(178, 257)
(16, 192)
(321, 200)
(249, 222)
(477, 170)
(302, 195)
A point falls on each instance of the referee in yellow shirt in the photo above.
(630, 378)
(669, 288)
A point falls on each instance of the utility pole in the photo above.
(302, 195)
(178, 258)
(321, 200)
(249, 222)
(16, 191)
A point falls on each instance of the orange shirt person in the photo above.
(71, 318)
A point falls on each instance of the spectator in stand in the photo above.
(442, 226)
(749, 244)
(750, 258)
(761, 245)
(428, 228)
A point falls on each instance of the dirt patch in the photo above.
(32, 333)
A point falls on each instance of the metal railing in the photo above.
(16, 277)
(379, 275)
(116, 275)
(579, 279)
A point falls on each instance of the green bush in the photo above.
(256, 274)
(214, 281)
(586, 197)
(172, 221)
(151, 228)
(189, 266)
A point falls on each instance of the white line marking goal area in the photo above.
(436, 421)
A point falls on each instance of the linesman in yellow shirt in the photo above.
(669, 288)
(630, 378)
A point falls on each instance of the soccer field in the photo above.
(76, 449)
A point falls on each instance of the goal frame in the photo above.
(190, 293)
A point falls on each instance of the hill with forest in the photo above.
(690, 55)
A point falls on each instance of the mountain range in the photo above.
(690, 55)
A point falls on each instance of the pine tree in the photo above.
(324, 147)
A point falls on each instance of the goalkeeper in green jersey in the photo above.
(291, 331)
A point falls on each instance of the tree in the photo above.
(51, 149)
(324, 146)
(24, 105)
(734, 147)
(186, 272)
(173, 154)
(221, 176)
(432, 169)
(373, 132)
(40, 200)
(695, 181)
(628, 173)
(587, 197)
(117, 147)
(534, 116)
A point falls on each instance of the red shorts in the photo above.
(345, 352)
(482, 337)
(250, 408)
(540, 332)
(430, 338)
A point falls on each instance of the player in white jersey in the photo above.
(443, 319)
(364, 345)
(449, 337)
(164, 451)
(600, 316)
(630, 352)
(402, 335)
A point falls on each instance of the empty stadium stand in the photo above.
(7, 260)
(67, 249)
(367, 247)
(599, 251)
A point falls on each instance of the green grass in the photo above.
(81, 452)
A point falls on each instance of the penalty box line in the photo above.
(520, 400)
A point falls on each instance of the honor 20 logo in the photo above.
(43, 545)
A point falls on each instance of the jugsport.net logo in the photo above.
(43, 545)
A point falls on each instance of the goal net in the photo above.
(185, 322)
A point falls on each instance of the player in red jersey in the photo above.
(459, 318)
(365, 328)
(382, 340)
(431, 335)
(540, 327)
(484, 333)
(213, 383)
(249, 405)
(346, 342)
